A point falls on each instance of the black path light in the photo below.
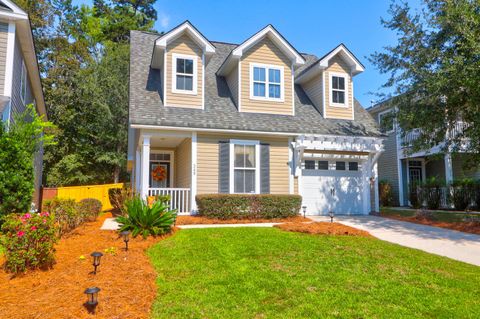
(331, 214)
(92, 301)
(304, 210)
(96, 260)
(125, 235)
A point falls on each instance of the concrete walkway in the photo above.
(444, 242)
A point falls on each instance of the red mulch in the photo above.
(198, 220)
(126, 279)
(323, 228)
(466, 227)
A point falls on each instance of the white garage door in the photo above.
(334, 190)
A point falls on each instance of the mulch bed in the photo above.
(323, 228)
(466, 227)
(198, 220)
(126, 279)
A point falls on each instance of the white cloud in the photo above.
(164, 20)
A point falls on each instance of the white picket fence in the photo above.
(179, 197)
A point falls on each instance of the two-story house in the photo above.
(402, 168)
(19, 74)
(257, 117)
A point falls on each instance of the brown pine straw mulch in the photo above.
(199, 220)
(126, 279)
(323, 228)
(466, 227)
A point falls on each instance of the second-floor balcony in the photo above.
(409, 138)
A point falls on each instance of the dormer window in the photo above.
(266, 82)
(184, 74)
(338, 91)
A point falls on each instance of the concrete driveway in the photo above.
(449, 243)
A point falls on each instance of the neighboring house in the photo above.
(402, 168)
(258, 118)
(19, 75)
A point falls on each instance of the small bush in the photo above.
(29, 241)
(386, 195)
(118, 196)
(147, 220)
(89, 209)
(431, 193)
(462, 193)
(231, 206)
(414, 197)
(65, 213)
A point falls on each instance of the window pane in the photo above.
(274, 76)
(340, 166)
(274, 91)
(353, 166)
(338, 97)
(309, 164)
(180, 82)
(249, 181)
(249, 155)
(259, 74)
(323, 165)
(338, 83)
(239, 179)
(189, 83)
(239, 156)
(188, 66)
(180, 65)
(341, 83)
(259, 89)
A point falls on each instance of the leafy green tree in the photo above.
(434, 70)
(19, 142)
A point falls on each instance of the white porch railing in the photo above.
(179, 197)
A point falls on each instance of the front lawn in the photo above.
(269, 273)
(440, 216)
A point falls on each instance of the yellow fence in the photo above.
(99, 192)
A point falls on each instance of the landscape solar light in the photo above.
(92, 294)
(125, 235)
(304, 210)
(96, 260)
(331, 214)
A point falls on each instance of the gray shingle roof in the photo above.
(146, 106)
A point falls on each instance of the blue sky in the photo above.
(311, 26)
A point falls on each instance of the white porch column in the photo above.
(138, 166)
(193, 189)
(448, 168)
(367, 168)
(377, 197)
(145, 166)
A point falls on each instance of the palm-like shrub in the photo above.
(147, 220)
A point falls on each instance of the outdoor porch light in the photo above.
(125, 235)
(304, 210)
(96, 260)
(331, 214)
(92, 294)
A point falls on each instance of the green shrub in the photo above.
(239, 206)
(118, 196)
(385, 193)
(28, 241)
(477, 194)
(65, 212)
(89, 209)
(431, 192)
(462, 193)
(414, 198)
(147, 220)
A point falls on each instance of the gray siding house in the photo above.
(19, 75)
(403, 169)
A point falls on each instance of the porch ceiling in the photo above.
(166, 142)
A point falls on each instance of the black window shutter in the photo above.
(264, 168)
(224, 167)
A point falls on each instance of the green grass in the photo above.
(269, 273)
(441, 216)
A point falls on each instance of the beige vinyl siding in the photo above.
(232, 81)
(3, 53)
(314, 90)
(183, 167)
(184, 45)
(207, 162)
(295, 186)
(266, 52)
(337, 65)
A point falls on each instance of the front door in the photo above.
(160, 180)
(415, 175)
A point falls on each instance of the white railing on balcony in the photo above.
(179, 197)
(412, 135)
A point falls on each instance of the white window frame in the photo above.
(232, 164)
(345, 77)
(23, 83)
(176, 56)
(267, 83)
(380, 120)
